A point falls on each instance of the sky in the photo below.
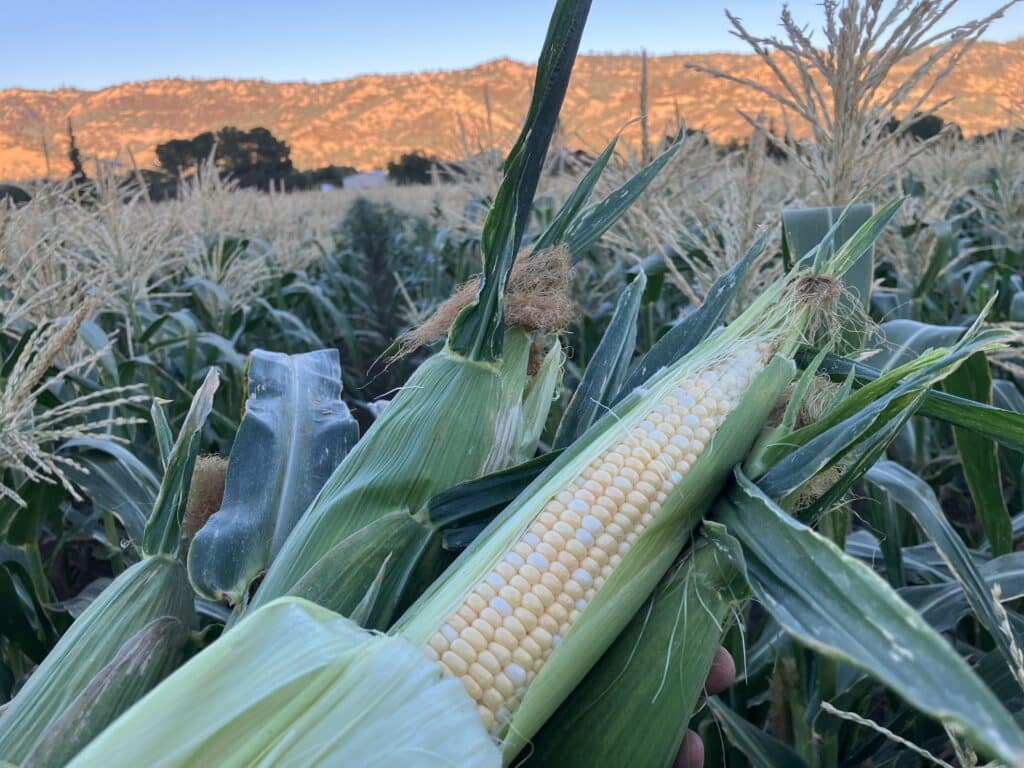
(53, 43)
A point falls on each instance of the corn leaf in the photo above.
(557, 231)
(479, 500)
(295, 431)
(679, 340)
(842, 609)
(921, 562)
(883, 516)
(606, 370)
(943, 605)
(163, 530)
(1000, 424)
(917, 497)
(594, 222)
(115, 481)
(979, 456)
(18, 619)
(945, 243)
(164, 435)
(478, 330)
(900, 341)
(759, 747)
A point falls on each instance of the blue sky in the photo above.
(49, 43)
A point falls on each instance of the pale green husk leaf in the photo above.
(296, 685)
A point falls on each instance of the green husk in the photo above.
(153, 588)
(144, 660)
(455, 419)
(655, 671)
(381, 556)
(295, 431)
(296, 685)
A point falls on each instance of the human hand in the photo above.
(721, 675)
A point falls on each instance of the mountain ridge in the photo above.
(367, 120)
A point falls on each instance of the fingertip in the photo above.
(691, 752)
(722, 673)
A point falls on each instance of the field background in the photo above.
(110, 301)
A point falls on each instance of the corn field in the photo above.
(485, 472)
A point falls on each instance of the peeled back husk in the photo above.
(153, 588)
(655, 671)
(295, 685)
(454, 420)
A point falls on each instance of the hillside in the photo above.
(366, 121)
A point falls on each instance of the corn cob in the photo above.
(500, 637)
(155, 587)
(545, 589)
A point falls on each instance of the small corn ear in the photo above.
(144, 660)
(155, 587)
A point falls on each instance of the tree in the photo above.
(255, 158)
(414, 168)
(75, 156)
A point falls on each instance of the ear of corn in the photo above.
(142, 662)
(655, 671)
(528, 609)
(153, 588)
(465, 411)
(295, 685)
(455, 420)
(295, 431)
